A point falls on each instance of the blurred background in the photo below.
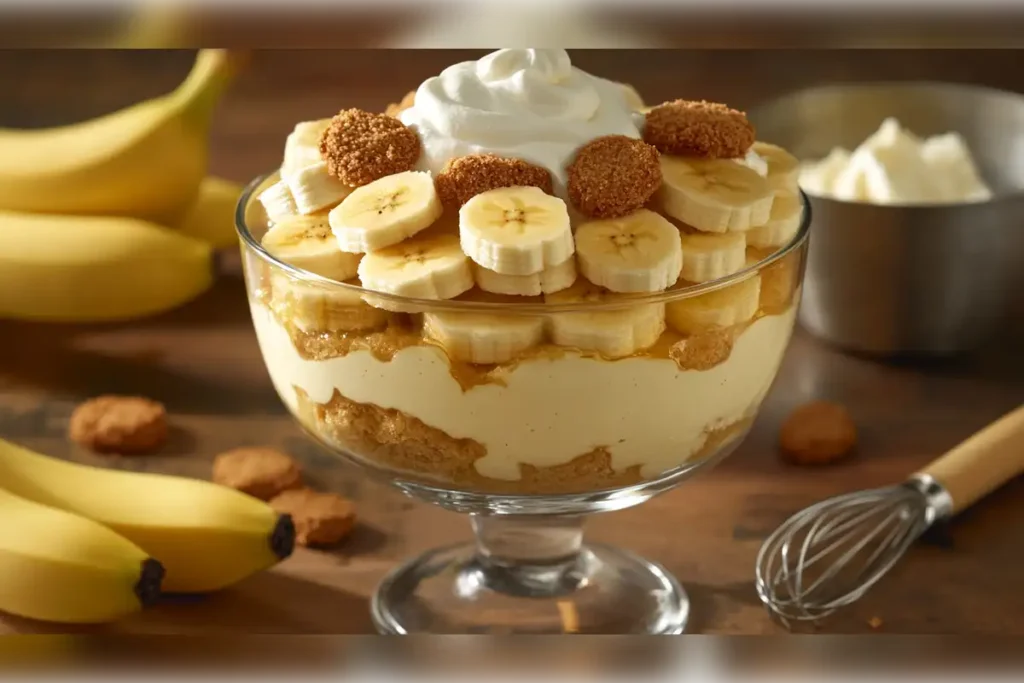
(281, 86)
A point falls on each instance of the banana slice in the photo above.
(307, 242)
(721, 308)
(516, 230)
(422, 268)
(547, 281)
(386, 211)
(314, 189)
(714, 195)
(278, 202)
(783, 167)
(640, 252)
(483, 338)
(708, 256)
(315, 308)
(783, 223)
(614, 333)
(302, 146)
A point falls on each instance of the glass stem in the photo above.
(531, 556)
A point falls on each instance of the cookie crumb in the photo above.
(260, 472)
(463, 178)
(703, 351)
(817, 433)
(394, 109)
(320, 518)
(128, 425)
(360, 147)
(702, 129)
(613, 176)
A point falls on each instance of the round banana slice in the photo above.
(783, 167)
(278, 202)
(639, 252)
(307, 242)
(317, 308)
(313, 189)
(724, 307)
(614, 333)
(714, 195)
(783, 223)
(708, 256)
(302, 146)
(386, 211)
(483, 338)
(547, 281)
(422, 268)
(516, 230)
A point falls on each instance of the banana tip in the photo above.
(282, 538)
(151, 577)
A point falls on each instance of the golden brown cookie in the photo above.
(462, 178)
(119, 424)
(613, 176)
(817, 433)
(394, 109)
(701, 129)
(261, 472)
(360, 147)
(320, 518)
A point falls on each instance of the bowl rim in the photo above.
(621, 301)
(851, 86)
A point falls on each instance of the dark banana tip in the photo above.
(282, 538)
(150, 579)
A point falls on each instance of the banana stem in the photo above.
(212, 72)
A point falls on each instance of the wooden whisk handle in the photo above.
(982, 463)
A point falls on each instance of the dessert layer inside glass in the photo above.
(548, 197)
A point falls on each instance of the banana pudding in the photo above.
(550, 292)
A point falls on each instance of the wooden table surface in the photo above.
(202, 360)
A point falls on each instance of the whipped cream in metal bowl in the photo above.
(529, 104)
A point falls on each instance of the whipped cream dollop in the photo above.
(528, 104)
(894, 166)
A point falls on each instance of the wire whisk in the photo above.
(829, 555)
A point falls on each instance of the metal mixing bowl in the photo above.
(932, 280)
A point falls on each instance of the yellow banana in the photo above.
(56, 566)
(144, 161)
(211, 217)
(206, 536)
(95, 268)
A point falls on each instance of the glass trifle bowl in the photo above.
(523, 348)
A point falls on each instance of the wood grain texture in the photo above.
(203, 362)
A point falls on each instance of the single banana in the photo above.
(552, 279)
(307, 242)
(714, 195)
(516, 230)
(639, 252)
(386, 211)
(483, 338)
(146, 161)
(783, 167)
(206, 536)
(783, 223)
(278, 202)
(323, 308)
(302, 146)
(56, 566)
(94, 268)
(421, 268)
(613, 333)
(724, 307)
(707, 256)
(211, 218)
(313, 189)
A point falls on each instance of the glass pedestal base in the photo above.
(596, 589)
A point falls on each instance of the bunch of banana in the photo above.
(115, 218)
(84, 544)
